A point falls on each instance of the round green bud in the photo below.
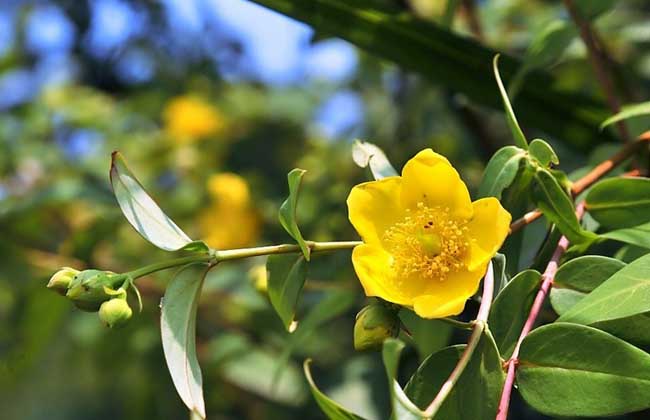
(115, 313)
(60, 281)
(375, 323)
(90, 288)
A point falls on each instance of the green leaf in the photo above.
(620, 202)
(286, 277)
(517, 134)
(573, 370)
(543, 152)
(178, 333)
(454, 61)
(429, 335)
(544, 49)
(367, 154)
(403, 408)
(478, 390)
(288, 210)
(511, 308)
(636, 235)
(591, 9)
(628, 111)
(142, 211)
(500, 171)
(558, 208)
(625, 293)
(578, 277)
(332, 410)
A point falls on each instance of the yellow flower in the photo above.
(426, 244)
(188, 118)
(231, 220)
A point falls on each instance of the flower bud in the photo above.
(90, 288)
(61, 280)
(115, 313)
(374, 324)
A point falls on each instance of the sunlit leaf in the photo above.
(620, 202)
(628, 111)
(635, 235)
(178, 332)
(332, 410)
(578, 277)
(286, 277)
(142, 211)
(543, 153)
(287, 214)
(367, 154)
(573, 370)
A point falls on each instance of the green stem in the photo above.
(234, 254)
(458, 324)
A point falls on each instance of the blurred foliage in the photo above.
(213, 145)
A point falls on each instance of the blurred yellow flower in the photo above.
(189, 118)
(259, 277)
(231, 220)
(426, 244)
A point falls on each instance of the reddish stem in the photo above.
(547, 282)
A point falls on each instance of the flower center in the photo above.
(428, 242)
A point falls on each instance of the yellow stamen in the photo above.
(428, 242)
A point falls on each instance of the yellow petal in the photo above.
(448, 298)
(374, 206)
(487, 230)
(372, 265)
(429, 178)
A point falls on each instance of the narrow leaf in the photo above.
(501, 171)
(511, 308)
(403, 407)
(178, 332)
(620, 202)
(554, 202)
(517, 134)
(576, 278)
(636, 235)
(573, 370)
(286, 277)
(367, 154)
(288, 210)
(628, 111)
(330, 408)
(142, 211)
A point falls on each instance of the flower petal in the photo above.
(372, 265)
(429, 178)
(487, 230)
(448, 298)
(374, 206)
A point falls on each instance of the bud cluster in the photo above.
(95, 291)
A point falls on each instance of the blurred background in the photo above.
(212, 102)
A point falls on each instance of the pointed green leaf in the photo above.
(628, 111)
(501, 171)
(288, 210)
(367, 154)
(558, 208)
(477, 392)
(403, 407)
(178, 333)
(573, 370)
(635, 235)
(517, 134)
(543, 152)
(578, 277)
(286, 277)
(142, 211)
(620, 202)
(511, 308)
(330, 408)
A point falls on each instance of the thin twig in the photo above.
(477, 331)
(599, 63)
(547, 282)
(594, 175)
